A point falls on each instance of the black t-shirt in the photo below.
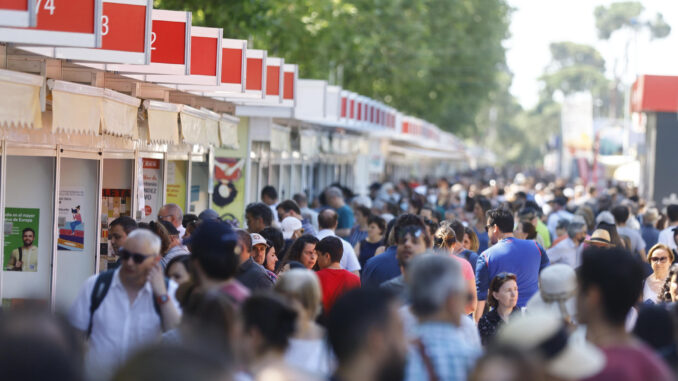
(253, 276)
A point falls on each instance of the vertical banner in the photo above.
(176, 183)
(228, 196)
(114, 203)
(21, 239)
(71, 226)
(152, 184)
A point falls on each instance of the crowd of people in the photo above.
(481, 277)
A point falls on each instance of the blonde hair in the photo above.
(303, 286)
(444, 237)
(660, 246)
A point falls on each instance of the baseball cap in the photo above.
(257, 239)
(289, 225)
(213, 236)
(208, 215)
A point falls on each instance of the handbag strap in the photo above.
(428, 363)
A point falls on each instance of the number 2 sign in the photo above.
(59, 23)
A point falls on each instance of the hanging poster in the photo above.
(152, 185)
(114, 203)
(21, 239)
(228, 196)
(71, 226)
(176, 183)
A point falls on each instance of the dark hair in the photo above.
(502, 218)
(28, 230)
(665, 294)
(406, 221)
(496, 284)
(276, 237)
(294, 252)
(614, 235)
(272, 317)
(529, 229)
(184, 259)
(620, 213)
(458, 229)
(244, 239)
(270, 192)
(300, 198)
(288, 205)
(354, 315)
(327, 219)
(187, 219)
(672, 212)
(377, 220)
(523, 365)
(388, 233)
(127, 224)
(365, 211)
(527, 214)
(656, 328)
(534, 206)
(260, 210)
(617, 274)
(332, 246)
(215, 246)
(159, 230)
(484, 204)
(171, 230)
(190, 228)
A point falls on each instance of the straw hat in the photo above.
(600, 237)
(557, 289)
(564, 356)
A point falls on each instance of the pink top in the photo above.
(466, 269)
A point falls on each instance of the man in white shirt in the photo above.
(558, 213)
(666, 235)
(173, 214)
(134, 307)
(327, 221)
(567, 250)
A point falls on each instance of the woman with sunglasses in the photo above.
(660, 258)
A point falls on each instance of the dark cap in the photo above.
(212, 236)
(560, 200)
(170, 228)
(208, 215)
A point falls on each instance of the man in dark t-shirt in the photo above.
(250, 273)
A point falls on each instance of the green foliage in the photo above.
(435, 59)
(616, 16)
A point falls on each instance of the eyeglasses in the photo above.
(412, 230)
(487, 227)
(659, 259)
(136, 257)
(165, 218)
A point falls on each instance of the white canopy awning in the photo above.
(163, 126)
(20, 101)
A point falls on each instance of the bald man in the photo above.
(172, 213)
(134, 306)
(327, 221)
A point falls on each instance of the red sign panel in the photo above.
(231, 65)
(19, 13)
(343, 107)
(254, 73)
(66, 16)
(14, 5)
(288, 85)
(168, 42)
(204, 52)
(272, 80)
(123, 27)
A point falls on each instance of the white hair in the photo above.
(145, 237)
(432, 279)
(333, 192)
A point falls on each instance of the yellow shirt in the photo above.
(29, 258)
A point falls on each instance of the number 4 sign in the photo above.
(59, 23)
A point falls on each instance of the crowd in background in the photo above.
(484, 276)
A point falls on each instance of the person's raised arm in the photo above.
(168, 311)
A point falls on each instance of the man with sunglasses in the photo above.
(412, 240)
(525, 258)
(130, 311)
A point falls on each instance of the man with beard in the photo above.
(438, 295)
(25, 258)
(366, 335)
(524, 258)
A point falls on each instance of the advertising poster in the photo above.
(21, 239)
(228, 197)
(152, 185)
(71, 226)
(176, 183)
(114, 203)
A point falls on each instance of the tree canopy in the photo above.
(435, 59)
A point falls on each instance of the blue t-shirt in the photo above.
(380, 268)
(470, 256)
(483, 240)
(345, 215)
(525, 258)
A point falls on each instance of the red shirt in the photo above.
(334, 282)
(632, 363)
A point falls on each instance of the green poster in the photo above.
(21, 239)
(228, 197)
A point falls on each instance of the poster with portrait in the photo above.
(228, 195)
(71, 225)
(21, 239)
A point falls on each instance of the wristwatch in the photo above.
(162, 299)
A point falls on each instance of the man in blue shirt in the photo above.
(524, 258)
(335, 199)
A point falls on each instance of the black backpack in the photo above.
(101, 286)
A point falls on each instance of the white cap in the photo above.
(257, 239)
(289, 225)
(557, 289)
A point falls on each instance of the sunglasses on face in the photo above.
(659, 259)
(414, 231)
(487, 227)
(136, 257)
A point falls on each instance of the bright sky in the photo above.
(537, 23)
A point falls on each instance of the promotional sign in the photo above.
(290, 77)
(60, 23)
(21, 239)
(205, 61)
(125, 35)
(256, 73)
(228, 196)
(233, 70)
(19, 13)
(152, 185)
(71, 226)
(170, 45)
(176, 183)
(274, 78)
